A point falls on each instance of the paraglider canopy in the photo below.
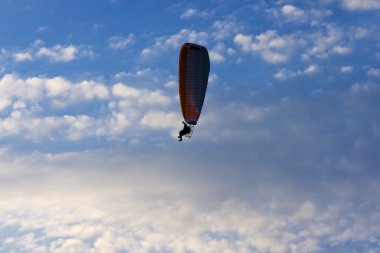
(193, 72)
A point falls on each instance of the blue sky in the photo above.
(284, 158)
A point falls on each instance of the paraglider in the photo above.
(193, 72)
(185, 131)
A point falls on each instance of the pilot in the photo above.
(186, 130)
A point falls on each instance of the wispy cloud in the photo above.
(359, 5)
(119, 42)
(285, 74)
(193, 12)
(164, 43)
(346, 69)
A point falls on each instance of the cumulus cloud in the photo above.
(37, 88)
(326, 41)
(216, 57)
(160, 120)
(331, 41)
(272, 47)
(141, 96)
(22, 56)
(58, 53)
(374, 72)
(223, 29)
(55, 54)
(89, 90)
(291, 12)
(217, 53)
(40, 109)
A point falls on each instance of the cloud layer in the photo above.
(40, 109)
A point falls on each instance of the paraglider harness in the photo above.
(190, 133)
(187, 130)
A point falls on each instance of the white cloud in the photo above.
(189, 13)
(172, 82)
(361, 5)
(217, 53)
(140, 96)
(89, 90)
(78, 127)
(58, 53)
(174, 41)
(223, 29)
(32, 108)
(147, 53)
(245, 41)
(216, 57)
(21, 123)
(25, 89)
(342, 50)
(312, 69)
(193, 12)
(55, 54)
(213, 79)
(160, 120)
(293, 13)
(285, 74)
(119, 42)
(57, 86)
(346, 69)
(374, 72)
(124, 91)
(23, 56)
(116, 125)
(4, 103)
(36, 88)
(154, 97)
(361, 32)
(272, 47)
(42, 29)
(332, 41)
